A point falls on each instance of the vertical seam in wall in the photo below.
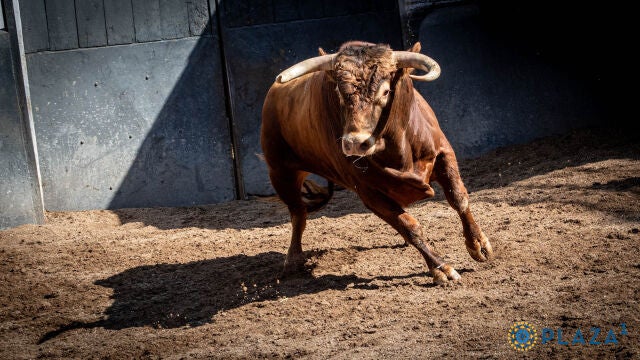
(46, 19)
(237, 169)
(75, 12)
(24, 78)
(189, 18)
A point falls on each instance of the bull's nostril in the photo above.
(365, 146)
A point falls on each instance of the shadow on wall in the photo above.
(185, 158)
(175, 295)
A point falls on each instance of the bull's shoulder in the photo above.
(422, 111)
(424, 133)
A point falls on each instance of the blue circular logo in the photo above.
(522, 336)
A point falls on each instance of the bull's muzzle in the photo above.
(358, 144)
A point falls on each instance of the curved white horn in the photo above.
(407, 59)
(318, 63)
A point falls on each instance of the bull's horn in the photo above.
(407, 59)
(318, 63)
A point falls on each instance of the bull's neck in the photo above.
(397, 153)
(331, 106)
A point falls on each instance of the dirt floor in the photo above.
(563, 214)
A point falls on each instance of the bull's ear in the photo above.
(416, 47)
(330, 74)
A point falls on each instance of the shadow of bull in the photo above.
(190, 294)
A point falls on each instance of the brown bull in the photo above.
(354, 118)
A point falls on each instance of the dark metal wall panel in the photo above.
(119, 21)
(336, 7)
(34, 25)
(17, 185)
(256, 12)
(492, 93)
(146, 17)
(247, 13)
(412, 12)
(285, 10)
(308, 9)
(132, 126)
(61, 18)
(256, 54)
(91, 24)
(174, 19)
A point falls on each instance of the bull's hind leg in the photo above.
(447, 175)
(411, 231)
(287, 184)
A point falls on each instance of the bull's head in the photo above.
(363, 74)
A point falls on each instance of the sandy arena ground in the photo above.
(563, 214)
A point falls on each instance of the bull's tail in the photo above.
(316, 196)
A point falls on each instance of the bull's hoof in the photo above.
(445, 275)
(293, 266)
(480, 249)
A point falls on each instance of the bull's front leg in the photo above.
(411, 231)
(447, 175)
